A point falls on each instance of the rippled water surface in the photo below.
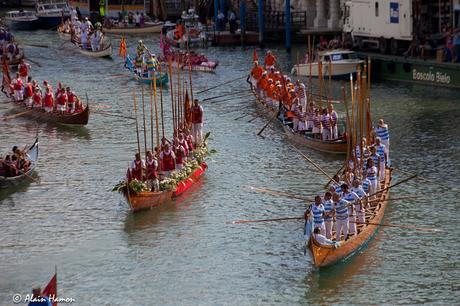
(184, 253)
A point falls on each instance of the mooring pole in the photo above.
(260, 18)
(287, 26)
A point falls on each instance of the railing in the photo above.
(275, 21)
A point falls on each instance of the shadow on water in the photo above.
(66, 131)
(21, 186)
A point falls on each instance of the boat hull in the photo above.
(23, 25)
(146, 199)
(7, 182)
(107, 52)
(338, 146)
(327, 255)
(149, 28)
(48, 22)
(70, 119)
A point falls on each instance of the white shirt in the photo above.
(133, 164)
(137, 18)
(323, 240)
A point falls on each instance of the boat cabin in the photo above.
(21, 15)
(339, 55)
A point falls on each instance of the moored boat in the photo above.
(32, 156)
(51, 13)
(340, 63)
(190, 33)
(22, 20)
(150, 27)
(328, 255)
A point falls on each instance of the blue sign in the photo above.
(394, 12)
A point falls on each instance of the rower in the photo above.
(18, 85)
(151, 64)
(382, 131)
(295, 111)
(322, 240)
(381, 150)
(352, 198)
(62, 101)
(37, 98)
(95, 42)
(84, 39)
(197, 122)
(190, 144)
(317, 210)
(180, 153)
(326, 123)
(256, 74)
(328, 207)
(137, 167)
(269, 60)
(48, 100)
(300, 92)
(71, 97)
(377, 160)
(38, 299)
(183, 142)
(341, 217)
(302, 120)
(334, 118)
(317, 128)
(310, 116)
(28, 92)
(152, 172)
(371, 174)
(23, 69)
(168, 160)
(359, 206)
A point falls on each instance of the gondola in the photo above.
(106, 52)
(80, 118)
(150, 27)
(328, 255)
(147, 199)
(32, 154)
(161, 79)
(337, 146)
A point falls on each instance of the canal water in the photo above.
(184, 253)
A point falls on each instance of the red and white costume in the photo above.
(197, 123)
(23, 70)
(179, 151)
(136, 169)
(168, 162)
(17, 86)
(48, 102)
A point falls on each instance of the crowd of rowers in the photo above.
(279, 92)
(171, 156)
(14, 164)
(84, 33)
(351, 194)
(26, 90)
(8, 47)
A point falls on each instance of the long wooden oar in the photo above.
(245, 115)
(312, 162)
(337, 173)
(225, 83)
(278, 193)
(17, 115)
(113, 115)
(226, 94)
(426, 179)
(264, 220)
(269, 121)
(34, 62)
(426, 229)
(395, 199)
(232, 98)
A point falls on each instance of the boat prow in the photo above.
(32, 154)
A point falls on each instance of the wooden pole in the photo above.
(137, 124)
(320, 75)
(330, 83)
(145, 126)
(161, 104)
(156, 109)
(151, 114)
(171, 89)
(349, 143)
(313, 163)
(190, 77)
(178, 95)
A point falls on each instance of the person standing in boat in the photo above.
(334, 120)
(71, 98)
(295, 110)
(62, 101)
(256, 74)
(180, 153)
(152, 64)
(317, 128)
(137, 167)
(270, 60)
(382, 131)
(301, 93)
(37, 98)
(152, 172)
(18, 87)
(381, 150)
(341, 217)
(84, 39)
(353, 199)
(23, 69)
(28, 92)
(328, 219)
(360, 205)
(167, 160)
(310, 116)
(48, 100)
(317, 209)
(377, 161)
(197, 122)
(371, 174)
(326, 123)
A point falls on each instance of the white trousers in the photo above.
(296, 124)
(352, 224)
(387, 147)
(373, 186)
(197, 129)
(342, 228)
(382, 171)
(361, 217)
(328, 224)
(309, 125)
(335, 133)
(326, 134)
(18, 96)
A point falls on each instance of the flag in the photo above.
(187, 109)
(255, 57)
(51, 289)
(122, 51)
(6, 83)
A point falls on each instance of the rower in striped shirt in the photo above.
(334, 120)
(341, 217)
(353, 199)
(361, 204)
(328, 207)
(326, 123)
(382, 131)
(371, 174)
(381, 150)
(317, 209)
(310, 116)
(317, 128)
(377, 160)
(300, 92)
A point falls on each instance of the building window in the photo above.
(376, 9)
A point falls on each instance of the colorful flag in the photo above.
(122, 51)
(6, 83)
(51, 290)
(255, 57)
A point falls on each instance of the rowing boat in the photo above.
(106, 52)
(32, 155)
(328, 255)
(336, 146)
(150, 27)
(80, 118)
(161, 78)
(148, 199)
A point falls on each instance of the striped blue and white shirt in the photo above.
(317, 211)
(341, 209)
(328, 205)
(365, 185)
(382, 132)
(350, 197)
(372, 173)
(376, 158)
(381, 151)
(359, 191)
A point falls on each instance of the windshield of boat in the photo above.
(339, 57)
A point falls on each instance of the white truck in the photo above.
(383, 24)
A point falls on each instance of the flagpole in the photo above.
(161, 104)
(156, 109)
(137, 124)
(178, 95)
(151, 114)
(171, 89)
(143, 116)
